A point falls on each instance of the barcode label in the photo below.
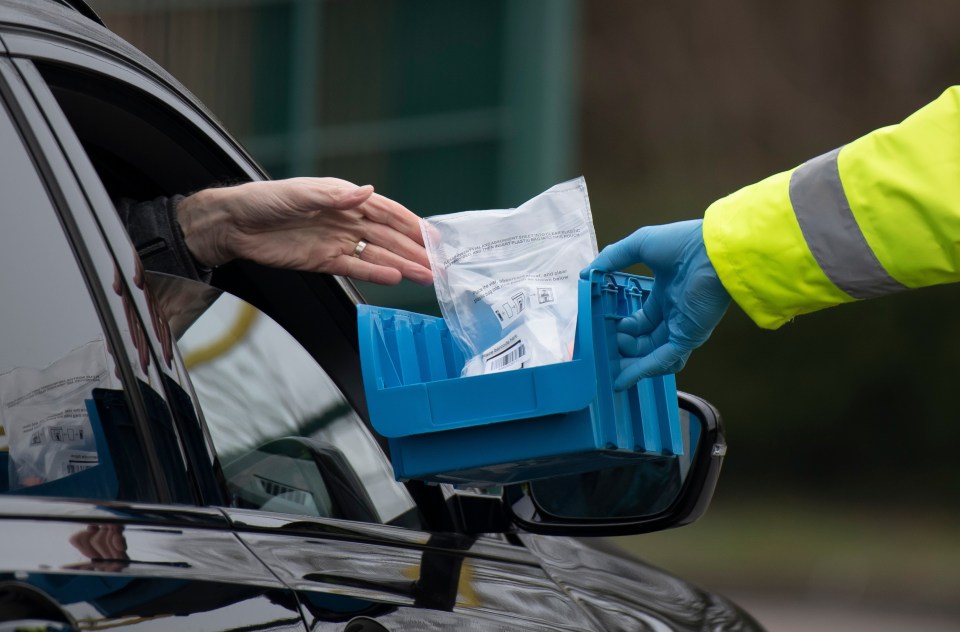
(73, 468)
(507, 354)
(65, 433)
(76, 462)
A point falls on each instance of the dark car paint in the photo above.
(338, 570)
(191, 567)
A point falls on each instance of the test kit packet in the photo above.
(44, 412)
(506, 279)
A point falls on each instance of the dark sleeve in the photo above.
(156, 234)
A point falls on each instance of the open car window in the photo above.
(287, 438)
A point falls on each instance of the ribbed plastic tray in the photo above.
(516, 425)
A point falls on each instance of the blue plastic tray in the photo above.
(517, 425)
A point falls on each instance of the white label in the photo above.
(509, 353)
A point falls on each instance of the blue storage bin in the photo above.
(516, 425)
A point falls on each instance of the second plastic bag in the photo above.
(506, 280)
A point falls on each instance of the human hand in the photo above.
(686, 302)
(311, 224)
(137, 333)
(104, 545)
(139, 336)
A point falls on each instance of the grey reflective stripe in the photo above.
(832, 232)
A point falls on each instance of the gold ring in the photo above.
(360, 247)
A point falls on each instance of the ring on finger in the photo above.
(360, 247)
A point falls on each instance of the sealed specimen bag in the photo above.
(506, 280)
(45, 415)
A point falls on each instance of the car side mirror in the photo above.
(645, 495)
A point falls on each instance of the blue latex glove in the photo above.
(685, 304)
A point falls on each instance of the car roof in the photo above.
(57, 18)
(83, 8)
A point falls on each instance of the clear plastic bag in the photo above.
(45, 415)
(506, 280)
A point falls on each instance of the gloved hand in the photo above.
(685, 304)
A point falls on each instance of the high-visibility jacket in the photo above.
(876, 216)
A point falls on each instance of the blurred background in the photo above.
(840, 489)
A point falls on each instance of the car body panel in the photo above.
(623, 593)
(156, 575)
(485, 578)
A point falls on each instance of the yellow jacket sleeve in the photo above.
(876, 216)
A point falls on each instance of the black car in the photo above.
(232, 479)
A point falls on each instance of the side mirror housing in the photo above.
(652, 495)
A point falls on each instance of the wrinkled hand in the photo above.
(686, 302)
(310, 224)
(104, 545)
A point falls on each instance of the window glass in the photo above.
(261, 393)
(266, 402)
(61, 403)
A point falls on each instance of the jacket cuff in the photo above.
(158, 238)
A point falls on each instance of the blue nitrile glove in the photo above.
(685, 304)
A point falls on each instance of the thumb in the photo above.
(348, 197)
(622, 254)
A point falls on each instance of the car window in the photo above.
(140, 145)
(266, 387)
(65, 429)
(288, 439)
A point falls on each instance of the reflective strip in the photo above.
(832, 232)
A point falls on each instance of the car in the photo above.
(189, 456)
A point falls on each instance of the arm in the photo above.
(877, 216)
(310, 224)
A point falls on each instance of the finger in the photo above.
(117, 543)
(361, 270)
(331, 193)
(81, 541)
(664, 359)
(100, 543)
(644, 320)
(390, 239)
(621, 254)
(640, 324)
(636, 346)
(385, 211)
(411, 270)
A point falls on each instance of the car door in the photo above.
(99, 499)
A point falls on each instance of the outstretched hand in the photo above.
(686, 302)
(311, 224)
